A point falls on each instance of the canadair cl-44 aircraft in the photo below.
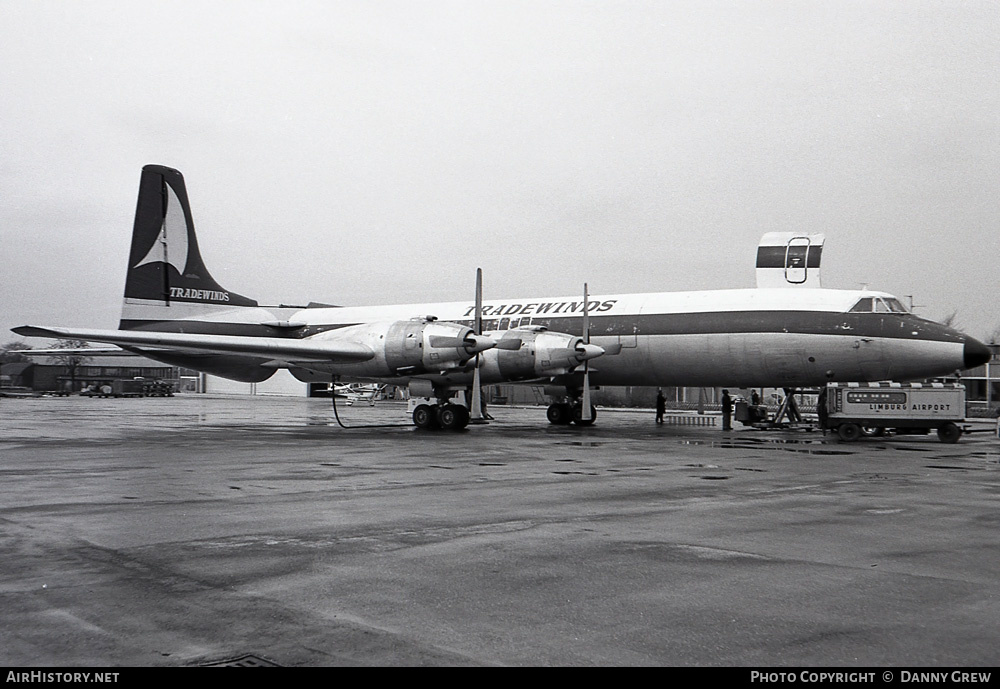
(787, 332)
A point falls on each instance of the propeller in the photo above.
(476, 411)
(585, 352)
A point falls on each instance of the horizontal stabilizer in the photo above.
(69, 351)
(272, 347)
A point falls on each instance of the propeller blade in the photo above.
(441, 342)
(613, 349)
(473, 344)
(476, 407)
(478, 326)
(509, 343)
(585, 414)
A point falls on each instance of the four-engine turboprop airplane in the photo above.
(787, 332)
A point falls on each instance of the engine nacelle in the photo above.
(541, 354)
(407, 348)
(428, 346)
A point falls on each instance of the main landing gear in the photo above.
(565, 413)
(449, 416)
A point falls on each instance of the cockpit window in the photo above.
(863, 306)
(878, 305)
(895, 306)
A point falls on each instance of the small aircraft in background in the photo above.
(358, 392)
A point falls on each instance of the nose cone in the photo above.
(479, 343)
(976, 353)
(585, 352)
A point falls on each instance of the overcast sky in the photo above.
(379, 152)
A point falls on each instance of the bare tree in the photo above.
(10, 352)
(72, 358)
(994, 336)
(950, 320)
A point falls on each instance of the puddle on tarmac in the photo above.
(786, 445)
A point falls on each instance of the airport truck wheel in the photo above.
(559, 414)
(949, 433)
(424, 416)
(849, 432)
(578, 415)
(872, 431)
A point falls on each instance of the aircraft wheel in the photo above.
(559, 414)
(949, 433)
(452, 418)
(424, 416)
(578, 415)
(849, 432)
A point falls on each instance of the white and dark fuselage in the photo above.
(739, 338)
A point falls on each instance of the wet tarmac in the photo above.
(201, 530)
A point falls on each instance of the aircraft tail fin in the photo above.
(167, 279)
(789, 259)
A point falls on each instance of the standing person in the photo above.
(754, 398)
(661, 405)
(727, 411)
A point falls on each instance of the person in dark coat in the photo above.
(727, 411)
(661, 406)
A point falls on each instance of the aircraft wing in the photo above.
(273, 347)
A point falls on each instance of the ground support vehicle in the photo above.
(157, 388)
(856, 409)
(136, 387)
